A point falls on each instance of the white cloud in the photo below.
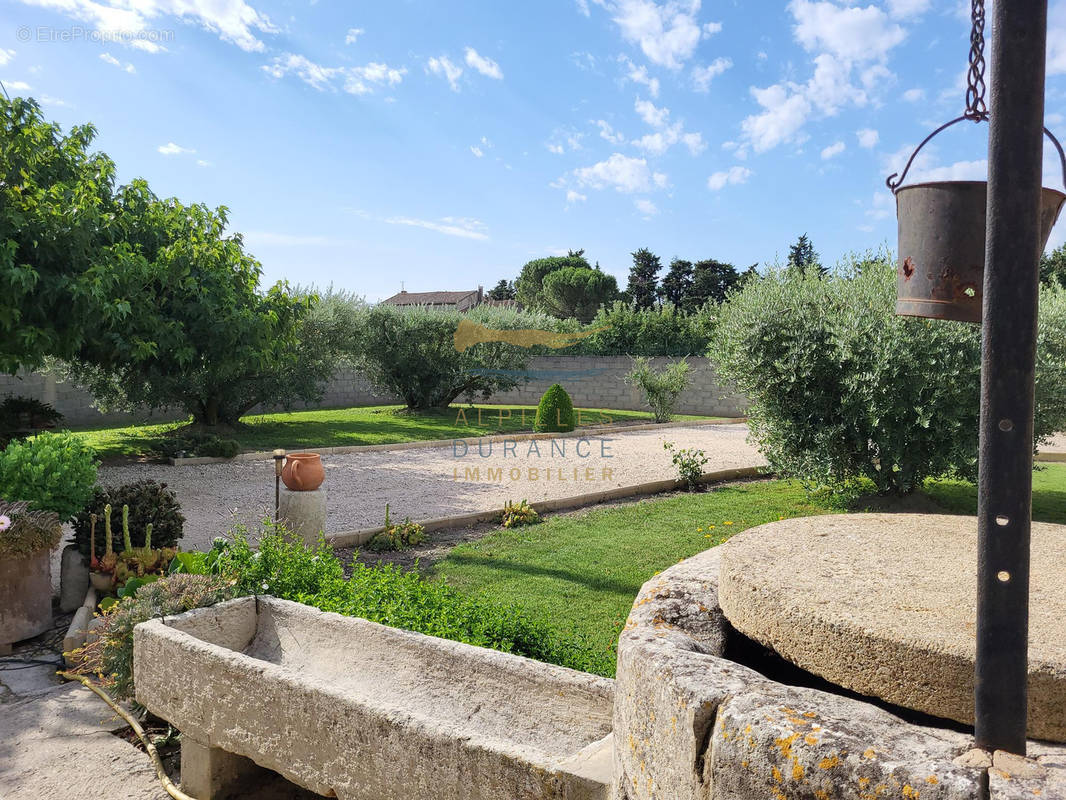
(640, 75)
(171, 149)
(462, 227)
(486, 66)
(835, 149)
(6, 56)
(352, 35)
(232, 20)
(147, 46)
(17, 86)
(667, 32)
(702, 76)
(830, 87)
(959, 171)
(731, 176)
(783, 115)
(55, 102)
(477, 151)
(201, 163)
(646, 207)
(575, 197)
(914, 95)
(867, 137)
(621, 173)
(444, 67)
(609, 133)
(557, 149)
(107, 58)
(903, 9)
(353, 80)
(659, 142)
(583, 7)
(1056, 39)
(849, 32)
(656, 117)
(694, 142)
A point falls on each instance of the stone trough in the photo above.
(359, 711)
(695, 722)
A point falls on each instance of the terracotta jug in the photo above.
(303, 472)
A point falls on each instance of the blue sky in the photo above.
(445, 144)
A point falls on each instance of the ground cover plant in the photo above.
(339, 427)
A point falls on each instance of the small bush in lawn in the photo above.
(51, 472)
(555, 412)
(689, 463)
(840, 388)
(149, 502)
(206, 445)
(515, 515)
(661, 390)
(397, 536)
(110, 655)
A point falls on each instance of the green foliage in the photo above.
(149, 503)
(515, 515)
(24, 532)
(110, 655)
(661, 390)
(661, 331)
(60, 239)
(643, 279)
(504, 290)
(689, 463)
(52, 472)
(286, 568)
(19, 415)
(1053, 267)
(412, 353)
(677, 284)
(577, 292)
(711, 282)
(529, 288)
(555, 412)
(399, 536)
(209, 445)
(802, 256)
(841, 388)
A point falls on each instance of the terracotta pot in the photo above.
(25, 596)
(303, 472)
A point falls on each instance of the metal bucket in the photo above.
(942, 247)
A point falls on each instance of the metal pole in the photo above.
(1008, 352)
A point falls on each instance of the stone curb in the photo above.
(265, 455)
(363, 535)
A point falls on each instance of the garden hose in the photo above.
(160, 772)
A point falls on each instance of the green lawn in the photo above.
(584, 570)
(354, 426)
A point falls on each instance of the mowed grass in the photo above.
(583, 570)
(362, 425)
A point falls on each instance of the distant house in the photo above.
(453, 301)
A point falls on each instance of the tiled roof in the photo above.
(428, 298)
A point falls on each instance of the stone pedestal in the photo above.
(73, 579)
(304, 513)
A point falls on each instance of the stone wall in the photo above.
(592, 381)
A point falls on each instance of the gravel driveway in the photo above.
(434, 482)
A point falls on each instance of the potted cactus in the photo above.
(26, 541)
(115, 569)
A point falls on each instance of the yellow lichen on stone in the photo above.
(776, 773)
(785, 745)
(932, 779)
(869, 753)
(829, 762)
(909, 791)
(797, 772)
(810, 739)
(821, 794)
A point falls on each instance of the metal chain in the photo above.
(976, 109)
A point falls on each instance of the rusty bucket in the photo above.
(942, 247)
(940, 274)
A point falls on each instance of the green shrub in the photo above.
(555, 411)
(51, 471)
(397, 536)
(148, 501)
(110, 655)
(624, 331)
(514, 515)
(842, 389)
(24, 532)
(208, 445)
(661, 390)
(21, 414)
(286, 568)
(689, 463)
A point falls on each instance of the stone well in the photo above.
(690, 722)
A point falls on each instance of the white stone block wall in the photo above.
(592, 381)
